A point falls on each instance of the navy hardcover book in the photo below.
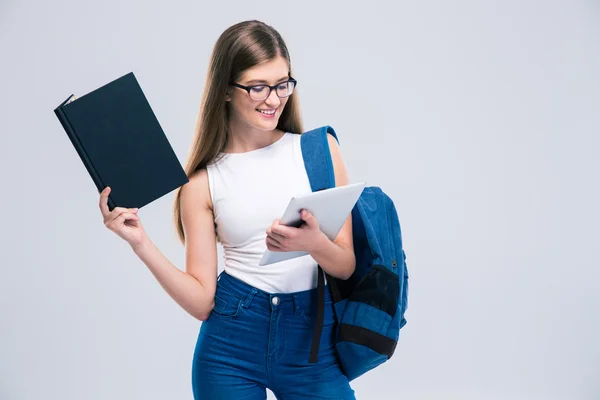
(121, 143)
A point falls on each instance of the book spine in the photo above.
(64, 120)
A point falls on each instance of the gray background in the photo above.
(480, 119)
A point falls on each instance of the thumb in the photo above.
(310, 219)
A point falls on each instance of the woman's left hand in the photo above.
(286, 238)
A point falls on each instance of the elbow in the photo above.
(347, 274)
(351, 266)
(202, 317)
(349, 270)
(204, 313)
(350, 263)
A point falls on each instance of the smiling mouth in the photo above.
(266, 112)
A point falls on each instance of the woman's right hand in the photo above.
(123, 221)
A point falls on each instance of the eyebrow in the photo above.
(265, 82)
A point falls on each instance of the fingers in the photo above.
(127, 216)
(273, 238)
(104, 201)
(271, 230)
(116, 212)
(306, 215)
(273, 244)
(282, 231)
(310, 219)
(121, 219)
(275, 235)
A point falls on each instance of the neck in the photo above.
(246, 138)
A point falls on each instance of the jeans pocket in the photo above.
(226, 305)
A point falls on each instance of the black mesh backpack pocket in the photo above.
(380, 288)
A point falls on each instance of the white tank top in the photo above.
(249, 191)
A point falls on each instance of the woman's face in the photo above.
(259, 114)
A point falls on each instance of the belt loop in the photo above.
(294, 301)
(249, 297)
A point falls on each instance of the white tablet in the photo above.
(330, 207)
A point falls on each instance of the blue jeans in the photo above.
(255, 340)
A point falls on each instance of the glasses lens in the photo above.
(259, 92)
(285, 89)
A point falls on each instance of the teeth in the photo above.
(267, 112)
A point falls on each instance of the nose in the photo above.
(273, 100)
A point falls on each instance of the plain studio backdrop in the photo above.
(479, 119)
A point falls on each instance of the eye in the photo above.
(258, 89)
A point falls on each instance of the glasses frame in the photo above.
(248, 88)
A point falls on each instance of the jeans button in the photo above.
(275, 300)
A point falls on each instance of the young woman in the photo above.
(245, 165)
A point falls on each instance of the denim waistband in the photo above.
(257, 297)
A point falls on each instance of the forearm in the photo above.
(186, 290)
(336, 260)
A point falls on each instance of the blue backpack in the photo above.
(370, 305)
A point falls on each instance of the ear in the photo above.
(228, 94)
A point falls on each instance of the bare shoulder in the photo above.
(196, 193)
(344, 237)
(339, 168)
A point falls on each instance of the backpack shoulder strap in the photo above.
(319, 168)
(317, 158)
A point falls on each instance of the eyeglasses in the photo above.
(262, 92)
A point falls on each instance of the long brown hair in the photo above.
(241, 46)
